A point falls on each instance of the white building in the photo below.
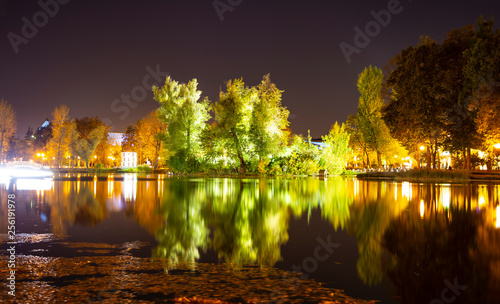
(129, 159)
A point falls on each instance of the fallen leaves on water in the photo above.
(128, 279)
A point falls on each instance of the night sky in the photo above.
(90, 53)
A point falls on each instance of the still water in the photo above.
(243, 240)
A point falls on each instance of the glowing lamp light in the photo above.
(422, 147)
(497, 146)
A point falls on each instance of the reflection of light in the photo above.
(129, 187)
(34, 184)
(110, 188)
(445, 197)
(5, 180)
(497, 146)
(24, 172)
(406, 190)
(497, 224)
(422, 208)
(395, 191)
(481, 200)
(356, 187)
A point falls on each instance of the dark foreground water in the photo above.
(302, 240)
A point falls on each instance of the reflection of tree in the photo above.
(337, 200)
(486, 257)
(146, 207)
(184, 230)
(73, 203)
(248, 225)
(371, 215)
(439, 247)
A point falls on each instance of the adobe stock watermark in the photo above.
(309, 265)
(11, 233)
(223, 6)
(450, 293)
(363, 36)
(29, 29)
(139, 93)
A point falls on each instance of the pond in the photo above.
(149, 238)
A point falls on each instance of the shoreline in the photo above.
(417, 175)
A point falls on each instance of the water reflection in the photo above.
(417, 235)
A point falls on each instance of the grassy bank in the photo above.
(435, 175)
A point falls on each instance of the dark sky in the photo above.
(90, 53)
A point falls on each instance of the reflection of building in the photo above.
(116, 139)
(129, 159)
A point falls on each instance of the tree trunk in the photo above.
(434, 154)
(240, 154)
(491, 155)
(417, 156)
(428, 157)
(367, 159)
(469, 165)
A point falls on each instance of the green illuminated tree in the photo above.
(185, 117)
(372, 128)
(268, 130)
(233, 115)
(337, 149)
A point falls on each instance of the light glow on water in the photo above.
(497, 224)
(445, 196)
(34, 184)
(406, 190)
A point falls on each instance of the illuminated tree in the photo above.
(185, 117)
(481, 90)
(373, 130)
(63, 131)
(8, 125)
(129, 140)
(268, 130)
(414, 111)
(303, 157)
(150, 133)
(233, 115)
(337, 149)
(90, 133)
